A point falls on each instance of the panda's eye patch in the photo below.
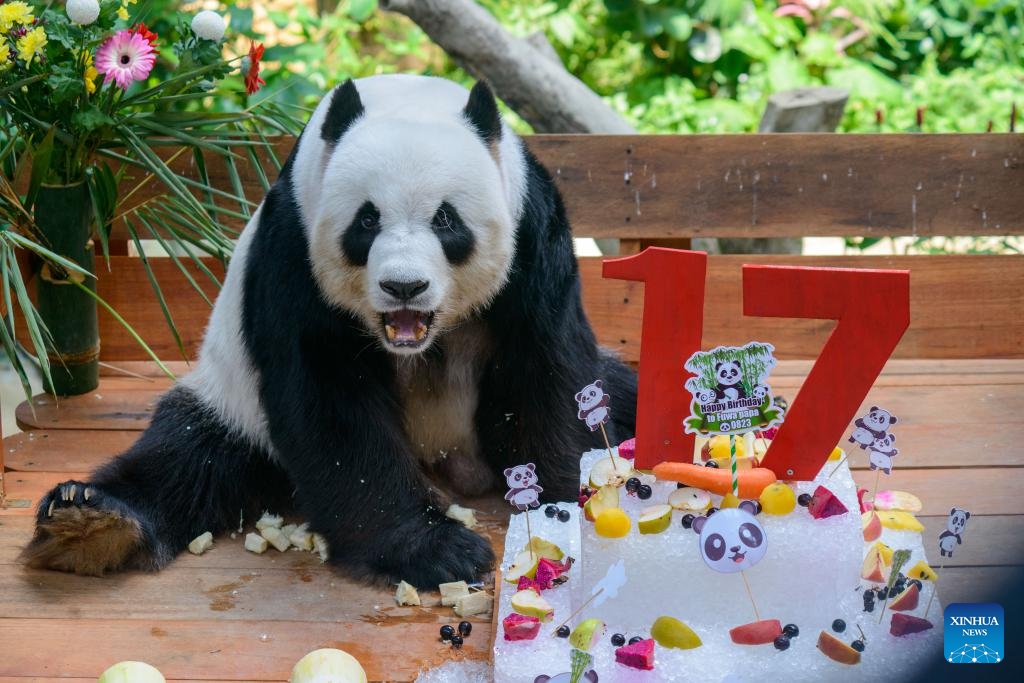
(751, 535)
(714, 547)
(361, 232)
(456, 238)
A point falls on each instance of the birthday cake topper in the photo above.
(730, 390)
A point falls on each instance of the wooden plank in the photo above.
(223, 650)
(65, 450)
(679, 186)
(24, 490)
(121, 410)
(961, 307)
(982, 490)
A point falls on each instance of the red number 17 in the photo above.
(872, 308)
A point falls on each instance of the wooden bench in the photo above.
(956, 382)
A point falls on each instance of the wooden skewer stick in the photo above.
(580, 609)
(935, 589)
(838, 466)
(608, 445)
(757, 614)
(529, 533)
(878, 473)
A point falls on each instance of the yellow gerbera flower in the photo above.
(13, 14)
(31, 44)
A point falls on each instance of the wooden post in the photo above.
(806, 110)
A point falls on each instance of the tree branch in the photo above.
(537, 87)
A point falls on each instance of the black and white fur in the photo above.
(404, 301)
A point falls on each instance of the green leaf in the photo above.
(155, 286)
(91, 118)
(42, 154)
(65, 88)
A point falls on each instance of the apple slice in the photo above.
(586, 634)
(884, 551)
(690, 499)
(874, 567)
(605, 498)
(524, 564)
(544, 548)
(871, 526)
(639, 655)
(611, 471)
(897, 500)
(530, 603)
(655, 519)
(905, 624)
(756, 632)
(520, 627)
(837, 650)
(907, 600)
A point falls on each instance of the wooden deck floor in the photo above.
(230, 615)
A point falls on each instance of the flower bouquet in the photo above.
(90, 97)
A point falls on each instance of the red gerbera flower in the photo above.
(141, 30)
(252, 76)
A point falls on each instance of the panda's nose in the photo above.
(404, 290)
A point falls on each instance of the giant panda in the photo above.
(402, 309)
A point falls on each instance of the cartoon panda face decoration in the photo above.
(410, 205)
(732, 539)
(728, 373)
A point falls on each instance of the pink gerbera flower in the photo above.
(126, 57)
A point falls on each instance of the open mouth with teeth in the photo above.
(407, 327)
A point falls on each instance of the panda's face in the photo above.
(732, 540)
(728, 374)
(413, 231)
(884, 444)
(878, 420)
(958, 520)
(590, 397)
(520, 477)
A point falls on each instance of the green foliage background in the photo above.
(681, 66)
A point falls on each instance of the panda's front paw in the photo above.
(80, 529)
(448, 551)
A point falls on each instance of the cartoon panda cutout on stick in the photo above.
(389, 315)
(872, 426)
(952, 536)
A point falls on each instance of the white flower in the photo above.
(208, 25)
(83, 12)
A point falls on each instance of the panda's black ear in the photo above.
(893, 420)
(698, 523)
(952, 512)
(967, 515)
(345, 108)
(873, 409)
(482, 112)
(718, 365)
